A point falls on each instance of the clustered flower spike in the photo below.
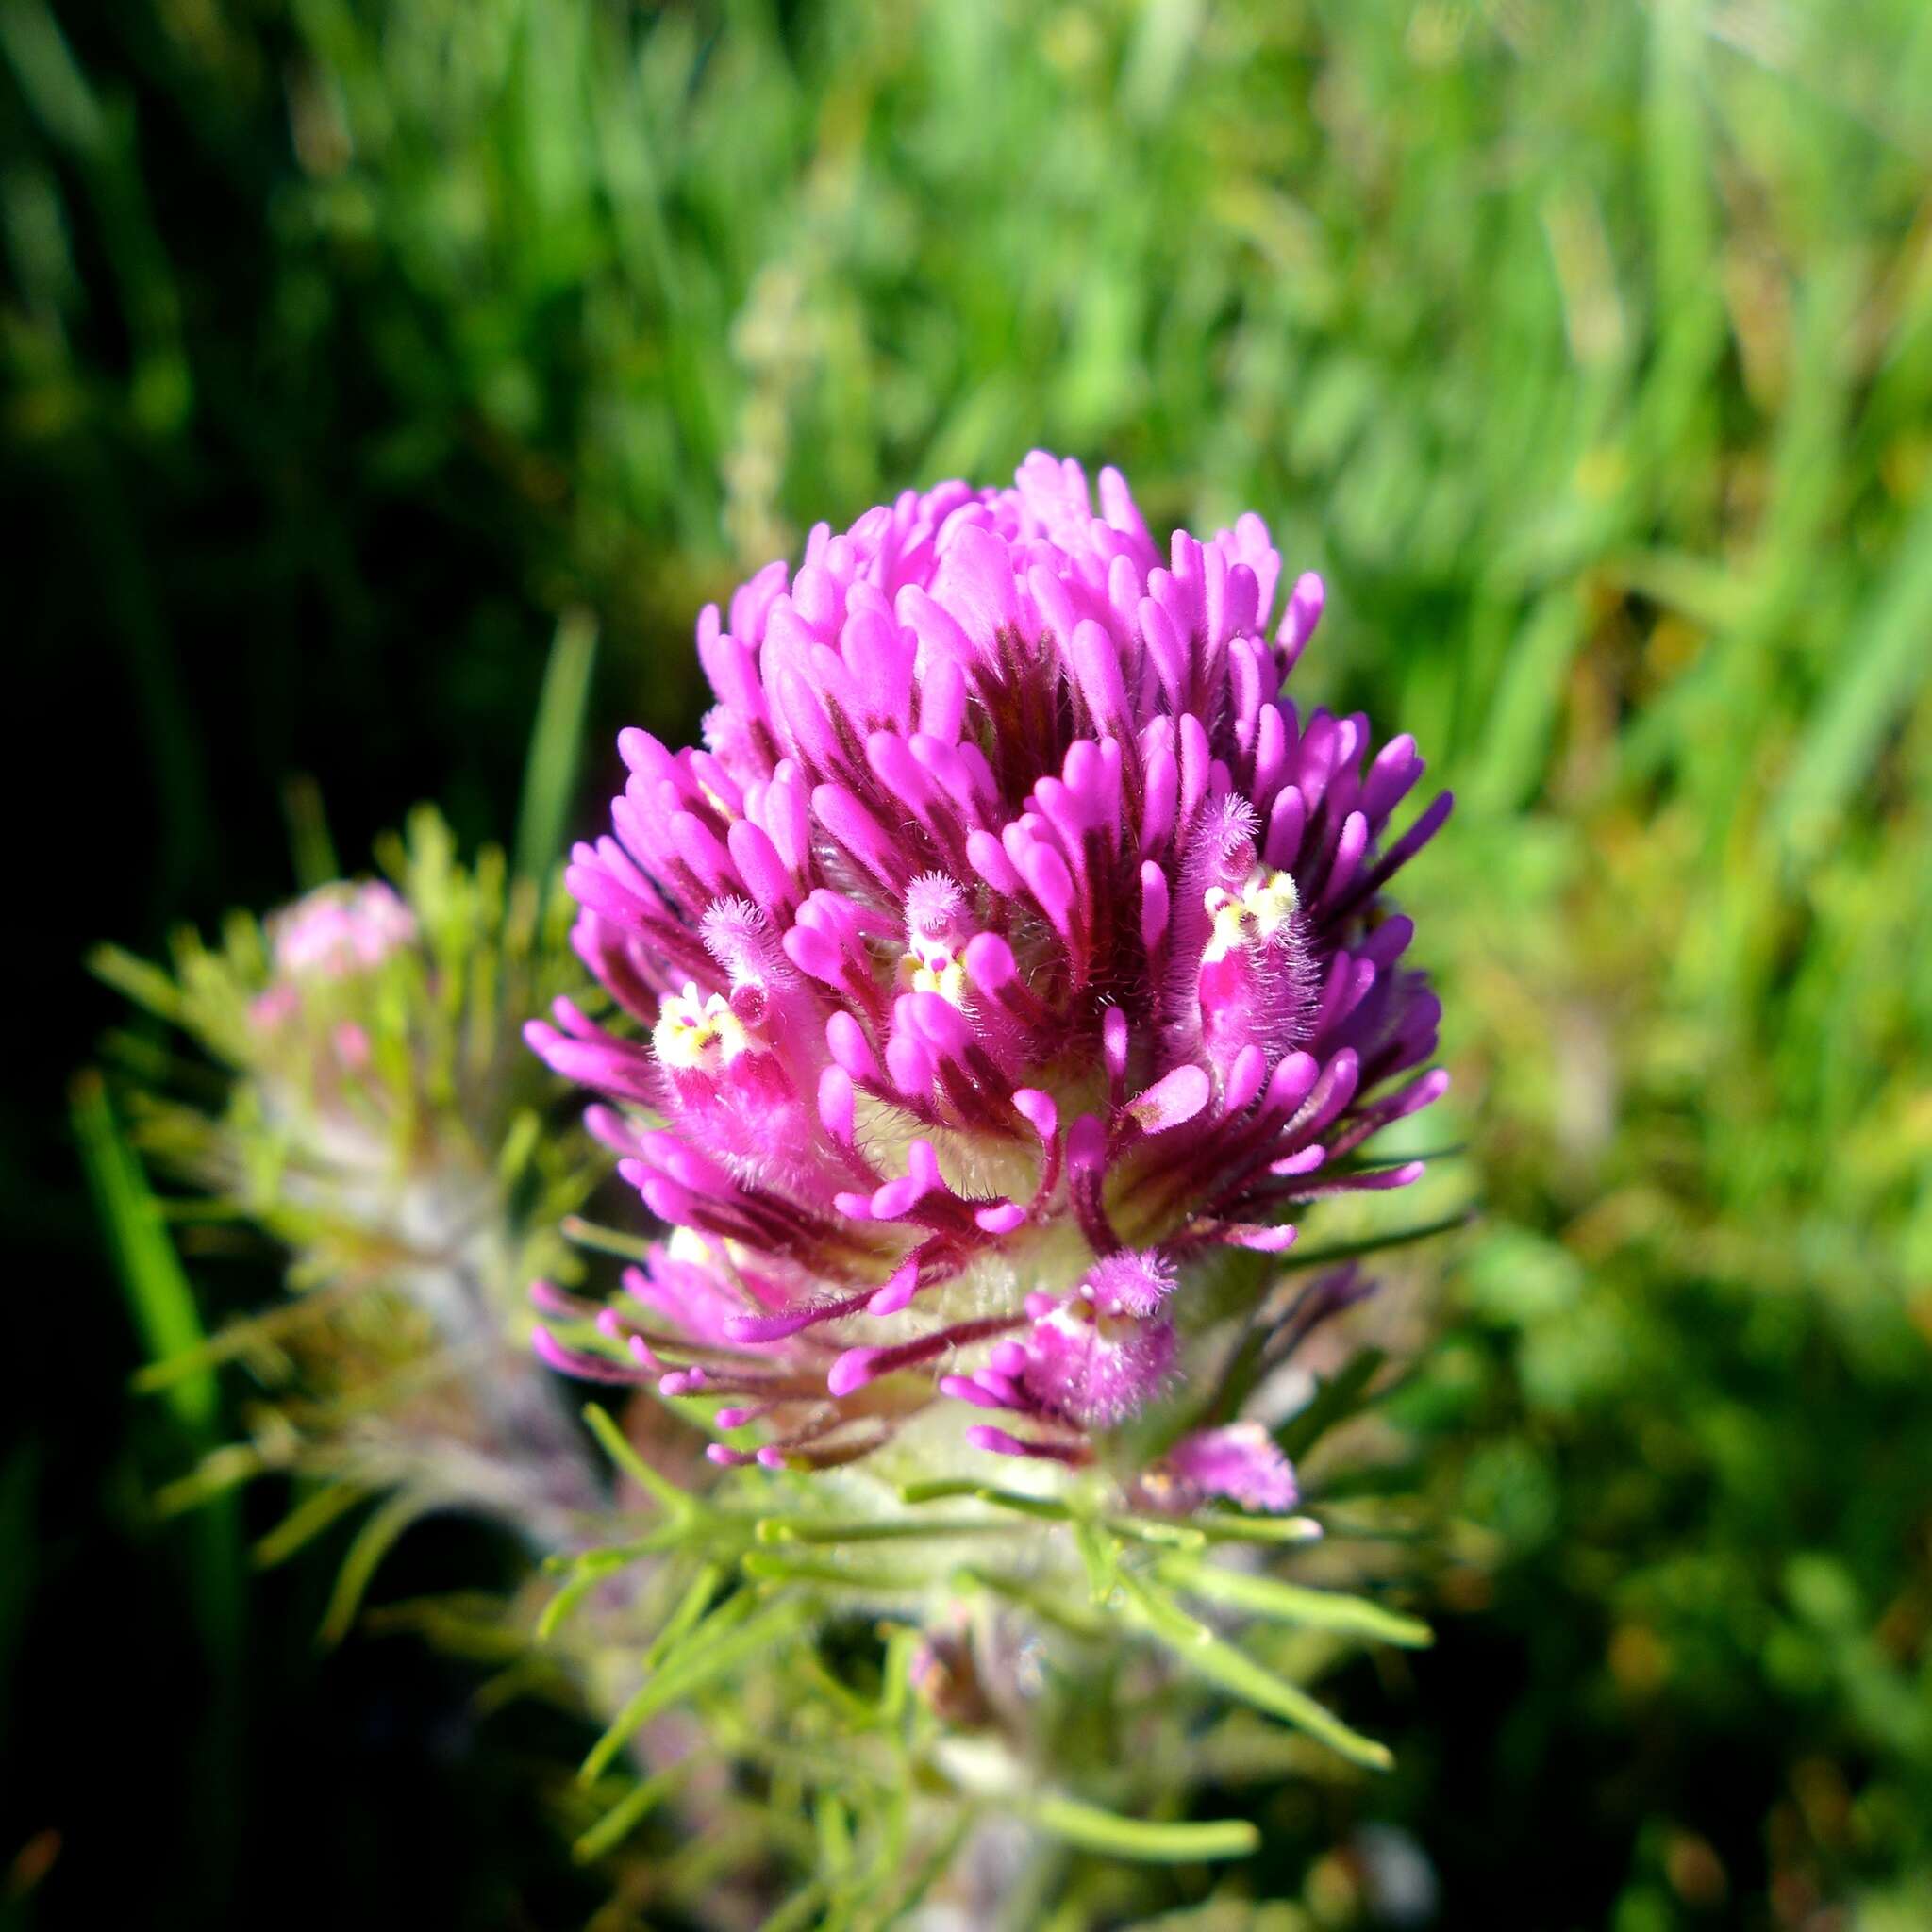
(372, 1126)
(1009, 947)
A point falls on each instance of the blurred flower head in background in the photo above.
(379, 1123)
(338, 930)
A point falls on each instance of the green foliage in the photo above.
(1587, 349)
(557, 747)
(916, 1669)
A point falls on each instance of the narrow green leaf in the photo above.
(629, 1813)
(1100, 1556)
(948, 1489)
(927, 1873)
(798, 1911)
(1522, 714)
(1298, 1260)
(1043, 1508)
(895, 1692)
(766, 1566)
(1076, 1619)
(1880, 665)
(834, 1827)
(605, 1241)
(1168, 1532)
(1224, 1526)
(374, 1541)
(222, 1470)
(855, 1713)
(1293, 1603)
(306, 1521)
(557, 1610)
(696, 1600)
(1114, 1837)
(248, 1334)
(940, 1489)
(668, 1494)
(784, 1529)
(697, 1662)
(1210, 1656)
(50, 80)
(140, 981)
(519, 1145)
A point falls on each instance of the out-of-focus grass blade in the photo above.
(1676, 405)
(52, 83)
(169, 1324)
(258, 1336)
(920, 1880)
(1888, 658)
(309, 843)
(1523, 718)
(692, 1606)
(150, 1271)
(557, 1610)
(1114, 1837)
(99, 133)
(556, 745)
(761, 1566)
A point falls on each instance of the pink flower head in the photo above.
(340, 929)
(1009, 946)
(327, 939)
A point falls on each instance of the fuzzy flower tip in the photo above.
(1009, 946)
(1240, 1462)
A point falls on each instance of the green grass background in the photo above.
(1586, 348)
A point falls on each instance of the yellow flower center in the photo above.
(1254, 915)
(930, 966)
(698, 1034)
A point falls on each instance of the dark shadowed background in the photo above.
(1585, 349)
